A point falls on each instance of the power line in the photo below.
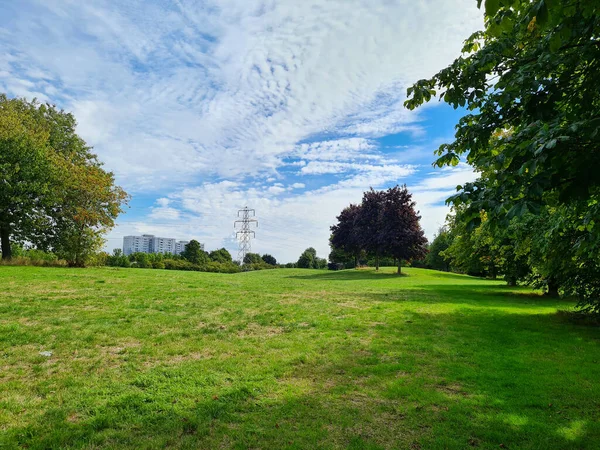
(245, 234)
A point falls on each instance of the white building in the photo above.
(148, 243)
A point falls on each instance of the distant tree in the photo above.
(370, 224)
(221, 255)
(269, 259)
(401, 231)
(193, 253)
(252, 258)
(320, 263)
(345, 235)
(441, 242)
(307, 259)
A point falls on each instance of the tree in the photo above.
(441, 242)
(56, 194)
(530, 81)
(25, 172)
(194, 253)
(534, 72)
(403, 236)
(252, 258)
(221, 255)
(269, 259)
(307, 259)
(345, 235)
(370, 224)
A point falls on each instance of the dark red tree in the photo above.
(401, 231)
(345, 234)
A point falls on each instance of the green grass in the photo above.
(290, 359)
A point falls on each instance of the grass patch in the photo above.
(290, 359)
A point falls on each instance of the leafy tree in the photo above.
(386, 224)
(307, 259)
(403, 236)
(269, 259)
(533, 71)
(252, 258)
(530, 81)
(345, 235)
(25, 172)
(441, 242)
(370, 224)
(221, 255)
(194, 253)
(56, 194)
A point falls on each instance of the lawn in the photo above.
(290, 359)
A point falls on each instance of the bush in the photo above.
(158, 265)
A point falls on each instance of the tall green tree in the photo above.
(531, 83)
(441, 242)
(194, 253)
(26, 172)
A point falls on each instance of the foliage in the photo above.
(345, 240)
(194, 253)
(385, 224)
(55, 193)
(434, 259)
(25, 172)
(252, 258)
(269, 259)
(221, 255)
(531, 81)
(307, 259)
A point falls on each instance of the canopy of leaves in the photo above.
(194, 253)
(384, 224)
(252, 258)
(54, 192)
(221, 255)
(269, 259)
(531, 81)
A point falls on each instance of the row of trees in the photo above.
(531, 83)
(385, 224)
(54, 193)
(192, 258)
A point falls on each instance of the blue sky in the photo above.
(200, 108)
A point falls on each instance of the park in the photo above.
(290, 358)
(357, 224)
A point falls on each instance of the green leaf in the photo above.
(491, 7)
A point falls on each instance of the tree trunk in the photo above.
(377, 261)
(399, 266)
(552, 288)
(5, 241)
(355, 261)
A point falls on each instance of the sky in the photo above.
(291, 107)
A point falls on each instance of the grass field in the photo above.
(290, 359)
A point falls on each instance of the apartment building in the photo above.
(148, 243)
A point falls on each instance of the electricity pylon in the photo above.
(245, 234)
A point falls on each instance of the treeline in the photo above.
(384, 228)
(193, 258)
(54, 194)
(530, 84)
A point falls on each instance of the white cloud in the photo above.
(205, 105)
(229, 87)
